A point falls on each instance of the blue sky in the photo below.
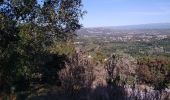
(125, 12)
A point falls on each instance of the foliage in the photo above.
(27, 30)
(135, 49)
(99, 56)
(77, 74)
(153, 71)
(121, 69)
(36, 48)
(63, 48)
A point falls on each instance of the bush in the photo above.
(153, 71)
(77, 74)
(121, 69)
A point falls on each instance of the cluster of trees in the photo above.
(29, 33)
(83, 78)
(136, 49)
(148, 70)
(154, 72)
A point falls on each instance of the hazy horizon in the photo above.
(128, 25)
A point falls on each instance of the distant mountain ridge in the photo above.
(147, 26)
(140, 26)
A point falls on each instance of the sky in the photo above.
(125, 12)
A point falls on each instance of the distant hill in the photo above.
(119, 29)
(144, 26)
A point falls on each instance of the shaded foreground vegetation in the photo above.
(82, 78)
(39, 61)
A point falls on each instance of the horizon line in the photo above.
(125, 25)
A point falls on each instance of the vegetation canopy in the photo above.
(27, 29)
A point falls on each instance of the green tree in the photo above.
(27, 30)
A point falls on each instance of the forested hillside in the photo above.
(42, 58)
